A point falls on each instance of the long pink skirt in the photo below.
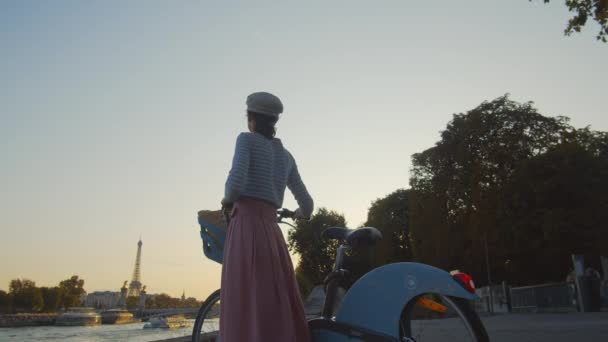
(260, 299)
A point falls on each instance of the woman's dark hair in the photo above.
(264, 124)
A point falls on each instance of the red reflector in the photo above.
(465, 280)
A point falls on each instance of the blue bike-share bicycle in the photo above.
(399, 302)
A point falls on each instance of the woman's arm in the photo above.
(299, 191)
(235, 184)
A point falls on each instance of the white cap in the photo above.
(264, 103)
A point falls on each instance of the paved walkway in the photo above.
(578, 327)
(568, 327)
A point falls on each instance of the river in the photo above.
(127, 332)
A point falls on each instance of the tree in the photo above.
(555, 205)
(191, 302)
(304, 283)
(317, 255)
(132, 302)
(51, 297)
(456, 184)
(5, 302)
(26, 297)
(163, 301)
(585, 9)
(530, 187)
(150, 302)
(72, 290)
(390, 215)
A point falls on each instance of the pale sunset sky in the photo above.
(118, 118)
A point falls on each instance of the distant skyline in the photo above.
(119, 118)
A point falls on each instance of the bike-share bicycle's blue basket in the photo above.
(213, 237)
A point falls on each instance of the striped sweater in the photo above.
(262, 168)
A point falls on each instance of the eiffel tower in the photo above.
(135, 286)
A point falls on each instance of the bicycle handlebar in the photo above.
(281, 214)
(285, 213)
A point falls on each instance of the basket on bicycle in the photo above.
(213, 234)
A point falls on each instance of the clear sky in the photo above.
(118, 118)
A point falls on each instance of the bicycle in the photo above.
(399, 302)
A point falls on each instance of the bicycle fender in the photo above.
(376, 300)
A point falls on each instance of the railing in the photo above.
(492, 299)
(552, 297)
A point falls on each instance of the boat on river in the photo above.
(116, 316)
(169, 322)
(78, 316)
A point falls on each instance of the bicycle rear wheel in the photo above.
(207, 324)
(434, 318)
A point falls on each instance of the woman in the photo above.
(260, 300)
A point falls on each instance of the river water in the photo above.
(127, 332)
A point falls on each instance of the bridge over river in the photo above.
(149, 313)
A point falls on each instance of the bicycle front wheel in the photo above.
(434, 318)
(207, 324)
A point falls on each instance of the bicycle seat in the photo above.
(364, 234)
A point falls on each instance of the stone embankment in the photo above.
(27, 320)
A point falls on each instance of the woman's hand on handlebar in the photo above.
(285, 213)
(294, 215)
(299, 216)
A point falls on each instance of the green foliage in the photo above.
(316, 254)
(72, 290)
(132, 302)
(191, 302)
(496, 176)
(51, 297)
(390, 215)
(5, 302)
(151, 302)
(26, 297)
(164, 301)
(304, 283)
(555, 205)
(585, 9)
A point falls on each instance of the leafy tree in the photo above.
(26, 297)
(304, 283)
(72, 290)
(594, 142)
(191, 302)
(150, 302)
(316, 254)
(132, 302)
(585, 9)
(164, 301)
(529, 187)
(555, 205)
(52, 298)
(456, 184)
(5, 302)
(390, 215)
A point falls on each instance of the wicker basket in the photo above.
(213, 233)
